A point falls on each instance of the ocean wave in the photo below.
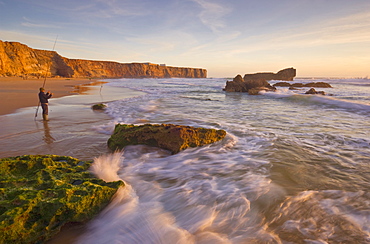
(358, 106)
(325, 216)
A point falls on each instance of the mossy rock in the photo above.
(41, 193)
(167, 136)
(99, 106)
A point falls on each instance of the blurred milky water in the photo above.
(293, 168)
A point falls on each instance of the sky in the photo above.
(320, 38)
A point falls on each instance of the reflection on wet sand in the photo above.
(82, 89)
(48, 138)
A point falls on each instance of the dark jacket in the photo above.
(44, 97)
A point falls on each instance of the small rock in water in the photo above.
(313, 91)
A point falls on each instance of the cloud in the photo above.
(329, 38)
(111, 8)
(93, 9)
(350, 26)
(34, 24)
(349, 30)
(212, 14)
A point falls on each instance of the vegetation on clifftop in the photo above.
(41, 193)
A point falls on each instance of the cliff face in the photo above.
(88, 68)
(17, 59)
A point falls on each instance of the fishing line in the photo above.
(46, 73)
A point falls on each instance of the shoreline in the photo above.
(17, 93)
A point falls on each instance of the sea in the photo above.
(293, 168)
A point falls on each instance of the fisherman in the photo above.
(44, 102)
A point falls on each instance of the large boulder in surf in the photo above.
(41, 193)
(236, 85)
(252, 86)
(167, 136)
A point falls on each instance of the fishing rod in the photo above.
(46, 73)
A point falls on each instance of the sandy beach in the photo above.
(18, 93)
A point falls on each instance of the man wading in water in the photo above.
(44, 102)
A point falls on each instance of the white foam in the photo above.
(321, 216)
(106, 167)
(106, 129)
(352, 105)
(340, 103)
(220, 193)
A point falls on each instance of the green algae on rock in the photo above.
(167, 136)
(41, 193)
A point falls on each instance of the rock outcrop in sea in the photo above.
(310, 84)
(253, 83)
(41, 193)
(17, 59)
(285, 74)
(166, 136)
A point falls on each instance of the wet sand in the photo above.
(17, 93)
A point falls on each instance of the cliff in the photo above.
(17, 59)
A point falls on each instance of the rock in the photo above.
(99, 106)
(256, 83)
(241, 85)
(236, 86)
(238, 78)
(41, 193)
(167, 136)
(313, 91)
(285, 74)
(311, 84)
(297, 85)
(17, 59)
(283, 84)
(256, 91)
(318, 84)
